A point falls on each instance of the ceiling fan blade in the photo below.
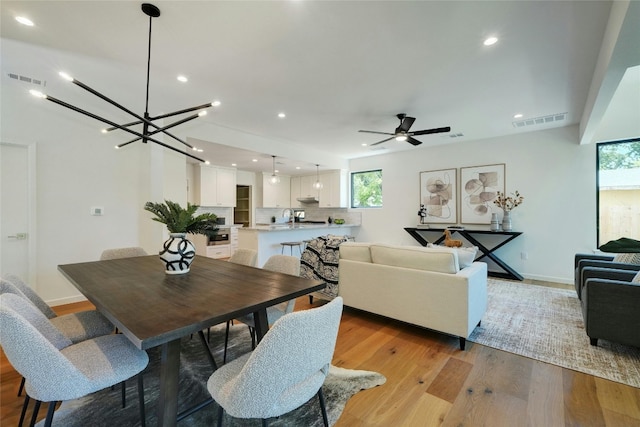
(430, 131)
(373, 131)
(413, 141)
(380, 142)
(405, 125)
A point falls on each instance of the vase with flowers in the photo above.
(507, 204)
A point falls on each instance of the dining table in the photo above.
(153, 308)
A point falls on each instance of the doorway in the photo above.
(242, 211)
(17, 210)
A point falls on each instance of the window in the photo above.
(366, 189)
(618, 190)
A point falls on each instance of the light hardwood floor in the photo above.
(430, 382)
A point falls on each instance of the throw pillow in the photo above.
(627, 258)
(466, 256)
(636, 278)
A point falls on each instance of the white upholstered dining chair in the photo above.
(116, 253)
(56, 369)
(282, 264)
(287, 368)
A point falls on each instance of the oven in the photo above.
(221, 237)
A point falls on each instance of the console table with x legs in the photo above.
(472, 236)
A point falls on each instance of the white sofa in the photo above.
(421, 286)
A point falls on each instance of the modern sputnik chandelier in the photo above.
(149, 129)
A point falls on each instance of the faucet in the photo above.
(290, 212)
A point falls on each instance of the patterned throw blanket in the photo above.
(320, 259)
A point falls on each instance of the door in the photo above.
(17, 163)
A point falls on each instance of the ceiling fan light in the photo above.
(401, 138)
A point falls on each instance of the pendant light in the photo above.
(149, 130)
(274, 179)
(317, 185)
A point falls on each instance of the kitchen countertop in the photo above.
(295, 226)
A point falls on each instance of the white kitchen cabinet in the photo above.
(215, 186)
(233, 237)
(219, 251)
(334, 192)
(306, 186)
(302, 186)
(278, 195)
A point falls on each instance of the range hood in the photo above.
(309, 199)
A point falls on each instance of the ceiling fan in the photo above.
(402, 132)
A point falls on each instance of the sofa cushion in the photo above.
(466, 256)
(441, 259)
(355, 251)
(627, 258)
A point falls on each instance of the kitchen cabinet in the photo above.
(302, 186)
(276, 196)
(334, 192)
(215, 186)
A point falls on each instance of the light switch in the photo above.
(97, 211)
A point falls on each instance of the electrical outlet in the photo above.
(524, 255)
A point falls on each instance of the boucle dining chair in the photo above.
(116, 253)
(287, 368)
(244, 257)
(241, 256)
(57, 369)
(76, 327)
(282, 264)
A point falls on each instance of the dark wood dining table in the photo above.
(153, 308)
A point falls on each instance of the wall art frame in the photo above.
(479, 186)
(438, 195)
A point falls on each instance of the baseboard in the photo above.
(67, 300)
(561, 280)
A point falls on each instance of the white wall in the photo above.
(555, 174)
(78, 168)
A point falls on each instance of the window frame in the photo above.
(351, 189)
(599, 145)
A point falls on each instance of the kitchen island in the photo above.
(266, 239)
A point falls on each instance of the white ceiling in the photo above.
(333, 67)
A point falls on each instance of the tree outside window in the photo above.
(366, 189)
(618, 190)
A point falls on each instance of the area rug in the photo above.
(546, 324)
(104, 408)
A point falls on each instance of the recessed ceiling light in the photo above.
(364, 145)
(24, 21)
(207, 162)
(297, 167)
(517, 116)
(182, 79)
(282, 115)
(490, 41)
(254, 160)
(234, 164)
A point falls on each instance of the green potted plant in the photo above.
(178, 252)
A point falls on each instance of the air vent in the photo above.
(456, 135)
(26, 79)
(378, 148)
(540, 120)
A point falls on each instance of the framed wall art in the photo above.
(438, 196)
(479, 186)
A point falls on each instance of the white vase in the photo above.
(506, 221)
(177, 254)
